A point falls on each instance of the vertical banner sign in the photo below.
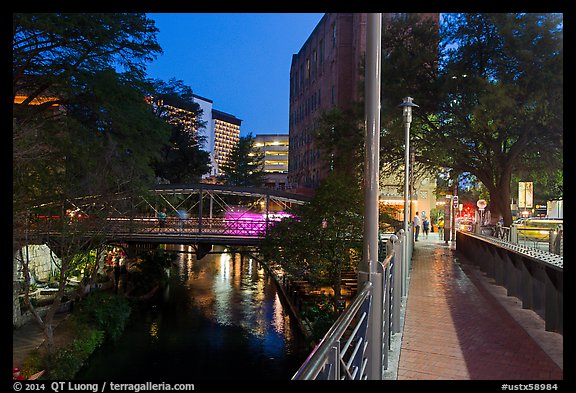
(447, 221)
(525, 194)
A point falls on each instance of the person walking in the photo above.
(425, 226)
(441, 228)
(162, 218)
(416, 223)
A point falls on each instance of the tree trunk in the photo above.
(498, 185)
(500, 199)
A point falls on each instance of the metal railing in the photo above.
(551, 240)
(343, 354)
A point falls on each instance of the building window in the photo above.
(334, 35)
(333, 95)
(314, 63)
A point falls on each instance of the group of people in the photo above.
(162, 216)
(421, 220)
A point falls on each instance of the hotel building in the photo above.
(226, 136)
(221, 133)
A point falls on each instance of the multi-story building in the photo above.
(220, 134)
(275, 149)
(226, 136)
(322, 75)
(325, 73)
(206, 134)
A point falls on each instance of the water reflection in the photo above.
(221, 317)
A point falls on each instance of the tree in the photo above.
(80, 122)
(182, 160)
(496, 103)
(244, 165)
(503, 98)
(88, 122)
(340, 136)
(325, 236)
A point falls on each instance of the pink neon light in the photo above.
(250, 224)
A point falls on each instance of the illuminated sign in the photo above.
(525, 194)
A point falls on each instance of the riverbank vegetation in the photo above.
(99, 317)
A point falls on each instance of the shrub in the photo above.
(104, 311)
(68, 360)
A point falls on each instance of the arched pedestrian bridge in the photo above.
(196, 214)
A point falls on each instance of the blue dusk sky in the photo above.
(240, 61)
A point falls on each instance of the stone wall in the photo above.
(42, 262)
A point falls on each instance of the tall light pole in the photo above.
(407, 105)
(368, 269)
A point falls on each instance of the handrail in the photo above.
(329, 356)
(316, 361)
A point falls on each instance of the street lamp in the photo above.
(407, 105)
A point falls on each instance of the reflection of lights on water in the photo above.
(154, 329)
(278, 318)
(224, 266)
(222, 290)
(184, 267)
(233, 290)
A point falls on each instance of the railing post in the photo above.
(200, 209)
(513, 234)
(397, 281)
(267, 210)
(387, 308)
(334, 361)
(368, 269)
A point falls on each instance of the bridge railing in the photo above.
(212, 226)
(343, 354)
(544, 238)
(151, 225)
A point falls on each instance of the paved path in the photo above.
(460, 326)
(29, 337)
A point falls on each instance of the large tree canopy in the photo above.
(80, 122)
(496, 104)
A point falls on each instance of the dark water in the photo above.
(220, 318)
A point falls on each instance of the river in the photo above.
(220, 318)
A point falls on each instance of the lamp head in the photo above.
(407, 105)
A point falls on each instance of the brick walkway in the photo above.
(459, 326)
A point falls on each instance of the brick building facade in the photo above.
(325, 73)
